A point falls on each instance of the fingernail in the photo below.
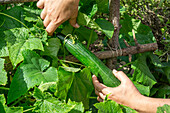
(93, 76)
(114, 71)
(77, 26)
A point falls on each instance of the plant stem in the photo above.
(29, 109)
(89, 41)
(92, 97)
(16, 20)
(72, 62)
(124, 66)
(18, 101)
(4, 88)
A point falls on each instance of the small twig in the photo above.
(93, 98)
(89, 41)
(134, 37)
(16, 102)
(127, 45)
(29, 109)
(112, 49)
(72, 63)
(124, 66)
(4, 88)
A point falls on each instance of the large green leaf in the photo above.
(39, 33)
(163, 91)
(84, 20)
(5, 109)
(143, 33)
(103, 6)
(3, 74)
(128, 109)
(78, 108)
(33, 71)
(108, 107)
(52, 105)
(126, 25)
(155, 60)
(18, 13)
(167, 72)
(82, 87)
(144, 90)
(65, 79)
(106, 26)
(52, 48)
(164, 109)
(142, 73)
(10, 23)
(2, 110)
(31, 15)
(2, 99)
(68, 29)
(3, 45)
(48, 104)
(86, 34)
(18, 40)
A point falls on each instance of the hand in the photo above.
(126, 93)
(55, 12)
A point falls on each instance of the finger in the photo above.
(43, 13)
(97, 84)
(40, 4)
(102, 96)
(46, 21)
(73, 20)
(74, 23)
(100, 87)
(97, 92)
(52, 27)
(99, 99)
(121, 76)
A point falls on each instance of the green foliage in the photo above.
(19, 40)
(144, 90)
(164, 109)
(142, 73)
(65, 80)
(3, 74)
(103, 6)
(82, 87)
(52, 48)
(33, 71)
(47, 104)
(5, 109)
(106, 27)
(108, 107)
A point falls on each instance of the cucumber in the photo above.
(87, 58)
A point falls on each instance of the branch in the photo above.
(114, 6)
(114, 18)
(126, 51)
(15, 1)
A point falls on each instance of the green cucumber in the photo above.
(87, 58)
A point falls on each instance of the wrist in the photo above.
(140, 104)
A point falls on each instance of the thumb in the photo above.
(120, 75)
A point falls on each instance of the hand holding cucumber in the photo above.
(55, 12)
(127, 94)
